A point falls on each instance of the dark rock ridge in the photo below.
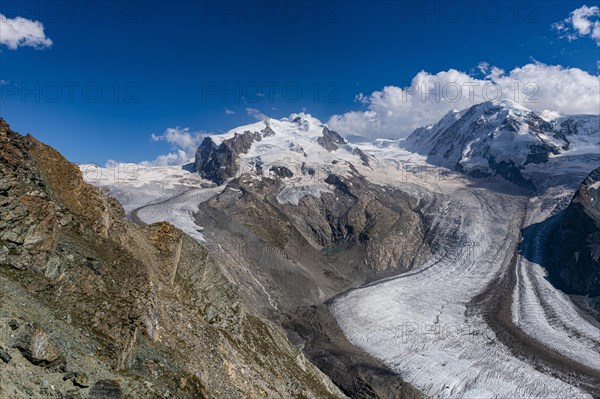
(330, 140)
(37, 347)
(106, 389)
(361, 154)
(575, 243)
(219, 162)
(282, 172)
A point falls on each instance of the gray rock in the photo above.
(13, 236)
(363, 157)
(5, 186)
(81, 380)
(5, 356)
(69, 375)
(218, 163)
(574, 249)
(93, 264)
(307, 170)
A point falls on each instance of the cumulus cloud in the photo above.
(256, 114)
(19, 32)
(394, 112)
(183, 142)
(583, 22)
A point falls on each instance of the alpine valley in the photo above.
(284, 261)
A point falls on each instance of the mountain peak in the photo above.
(500, 137)
(265, 147)
(507, 103)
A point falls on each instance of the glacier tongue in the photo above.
(423, 323)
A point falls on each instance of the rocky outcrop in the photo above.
(363, 157)
(106, 389)
(575, 243)
(282, 172)
(93, 306)
(220, 162)
(367, 228)
(330, 140)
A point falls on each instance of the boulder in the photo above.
(37, 347)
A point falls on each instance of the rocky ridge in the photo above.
(575, 243)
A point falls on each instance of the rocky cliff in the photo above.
(575, 247)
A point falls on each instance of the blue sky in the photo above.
(119, 71)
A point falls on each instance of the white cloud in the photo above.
(394, 112)
(583, 22)
(19, 32)
(484, 67)
(229, 111)
(256, 114)
(178, 157)
(183, 142)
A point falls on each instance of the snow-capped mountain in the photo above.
(492, 138)
(503, 137)
(300, 145)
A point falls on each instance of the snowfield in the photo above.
(151, 194)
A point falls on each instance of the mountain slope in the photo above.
(93, 306)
